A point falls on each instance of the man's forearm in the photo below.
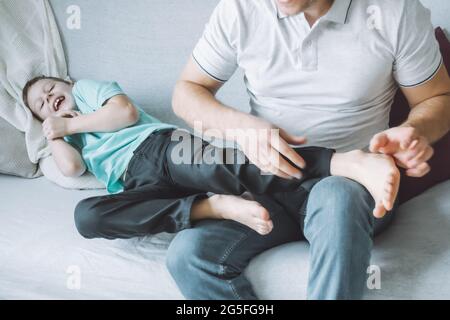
(192, 102)
(106, 119)
(431, 118)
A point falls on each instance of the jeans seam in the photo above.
(305, 221)
(303, 208)
(230, 248)
(226, 255)
(234, 290)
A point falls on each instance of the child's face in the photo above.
(49, 97)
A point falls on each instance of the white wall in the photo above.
(440, 12)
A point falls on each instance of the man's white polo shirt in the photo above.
(333, 83)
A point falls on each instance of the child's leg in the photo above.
(150, 210)
(378, 173)
(228, 171)
(134, 213)
(228, 207)
(225, 175)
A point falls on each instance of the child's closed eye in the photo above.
(50, 88)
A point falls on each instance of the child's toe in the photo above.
(379, 211)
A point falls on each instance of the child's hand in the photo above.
(68, 114)
(55, 127)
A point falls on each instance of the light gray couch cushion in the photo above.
(13, 153)
(39, 246)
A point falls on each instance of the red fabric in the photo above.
(440, 163)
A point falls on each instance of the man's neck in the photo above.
(316, 10)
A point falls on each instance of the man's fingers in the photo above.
(281, 164)
(290, 153)
(408, 138)
(420, 171)
(281, 174)
(406, 143)
(286, 167)
(422, 157)
(413, 144)
(267, 162)
(270, 169)
(420, 146)
(378, 141)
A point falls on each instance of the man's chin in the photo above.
(290, 12)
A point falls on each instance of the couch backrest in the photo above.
(440, 11)
(143, 44)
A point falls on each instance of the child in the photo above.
(94, 125)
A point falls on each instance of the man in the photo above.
(327, 70)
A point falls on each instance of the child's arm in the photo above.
(67, 158)
(118, 113)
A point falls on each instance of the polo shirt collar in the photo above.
(338, 12)
(280, 13)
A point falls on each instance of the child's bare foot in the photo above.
(249, 213)
(377, 172)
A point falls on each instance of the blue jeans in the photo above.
(208, 260)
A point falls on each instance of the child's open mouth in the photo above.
(58, 103)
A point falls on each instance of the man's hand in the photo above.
(195, 99)
(411, 150)
(57, 126)
(265, 145)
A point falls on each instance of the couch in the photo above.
(143, 45)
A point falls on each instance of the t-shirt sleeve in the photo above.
(216, 51)
(418, 56)
(74, 141)
(93, 94)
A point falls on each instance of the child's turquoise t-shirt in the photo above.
(107, 154)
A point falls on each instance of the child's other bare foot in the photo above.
(250, 213)
(377, 172)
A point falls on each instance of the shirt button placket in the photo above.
(309, 56)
